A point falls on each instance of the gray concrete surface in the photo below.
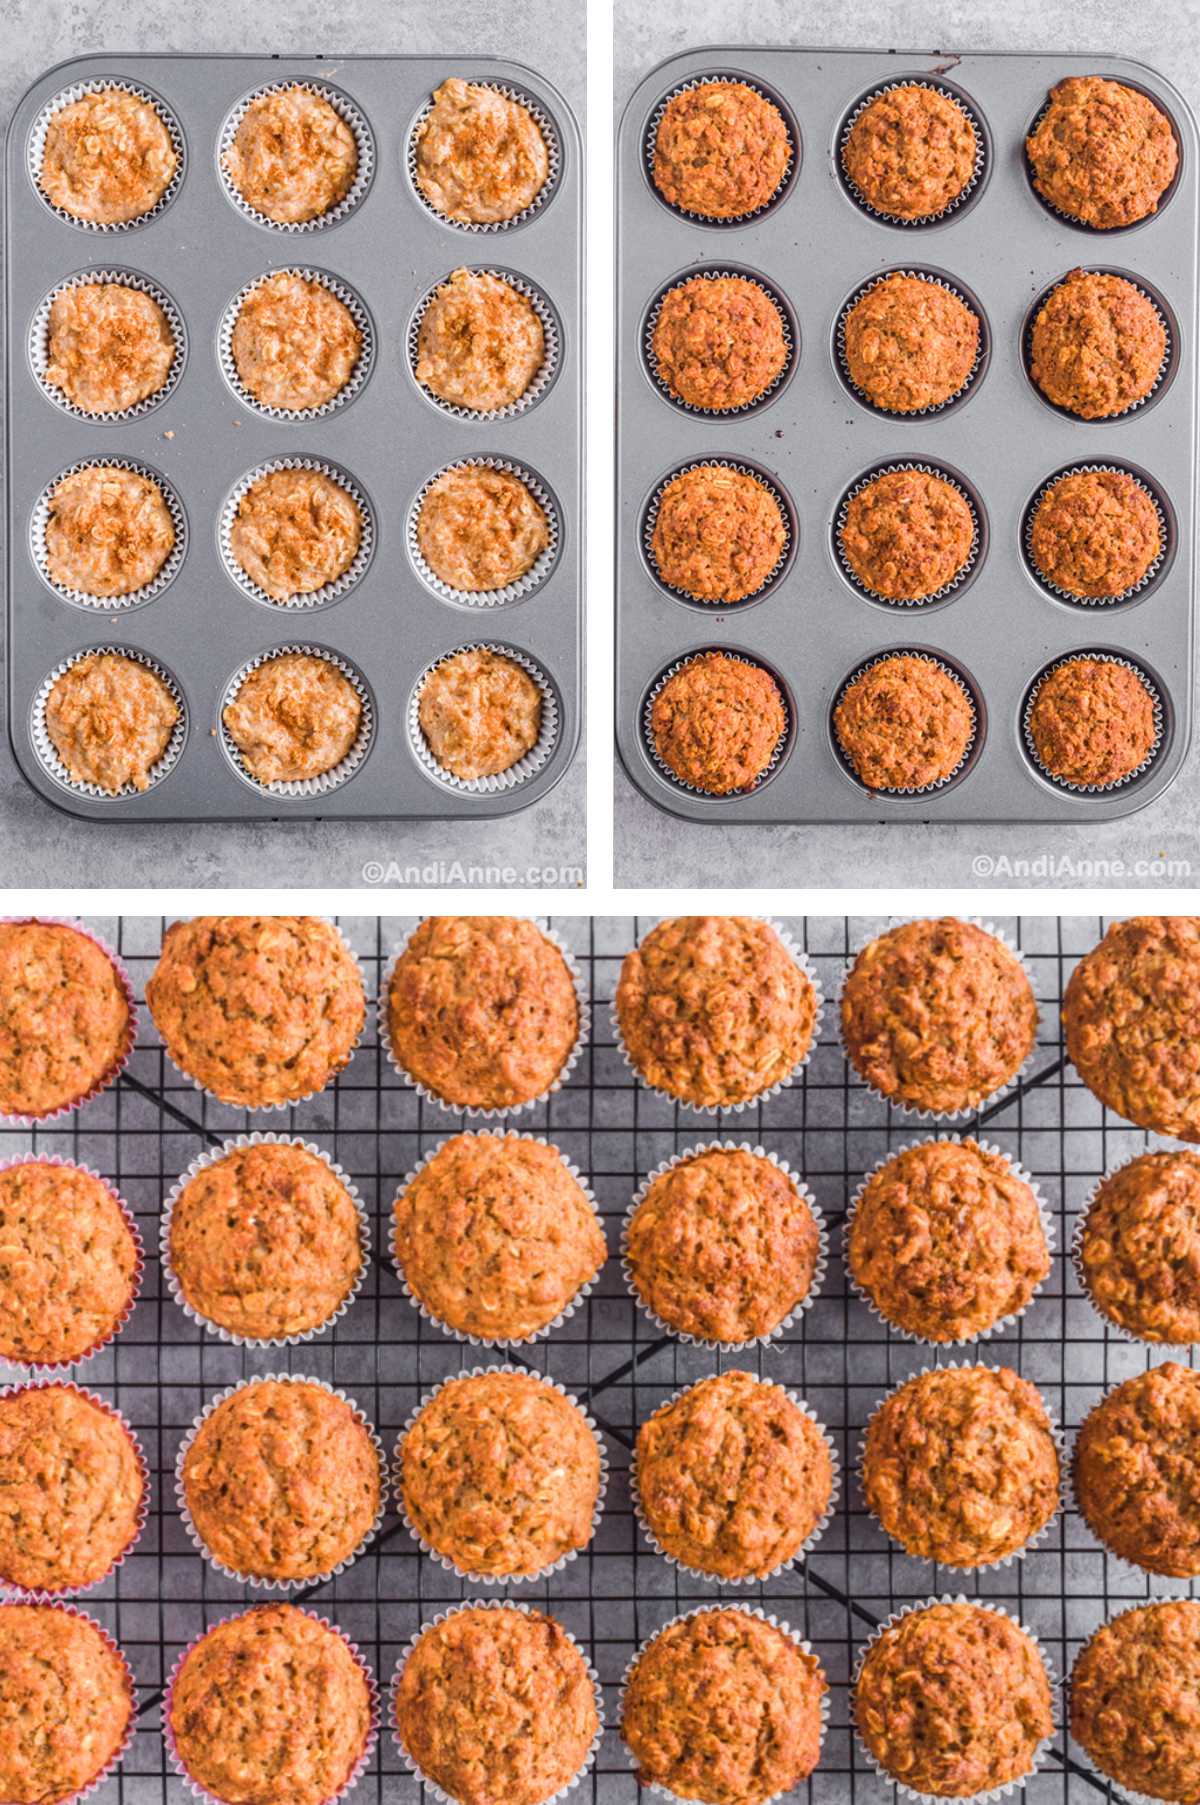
(37, 844)
(649, 844)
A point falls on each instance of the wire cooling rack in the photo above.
(162, 1369)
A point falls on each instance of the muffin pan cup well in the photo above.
(816, 439)
(202, 437)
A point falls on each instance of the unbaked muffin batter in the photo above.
(293, 156)
(108, 157)
(481, 158)
(295, 344)
(108, 531)
(480, 713)
(295, 531)
(480, 529)
(108, 346)
(110, 719)
(481, 342)
(296, 716)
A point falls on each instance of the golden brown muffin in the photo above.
(108, 157)
(294, 531)
(108, 346)
(293, 156)
(717, 723)
(1095, 533)
(953, 1700)
(72, 1489)
(66, 1701)
(938, 1015)
(271, 1705)
(1092, 722)
(479, 713)
(294, 344)
(482, 1010)
(960, 1465)
(718, 533)
(294, 717)
(721, 150)
(1135, 1699)
(480, 529)
(723, 1245)
(500, 1474)
(1137, 1455)
(719, 342)
(911, 152)
(480, 344)
(1139, 1247)
(1102, 153)
(111, 719)
(266, 1241)
(481, 158)
(1098, 345)
(495, 1236)
(904, 723)
(258, 1009)
(946, 1240)
(910, 343)
(282, 1480)
(907, 534)
(69, 1263)
(723, 1707)
(108, 531)
(65, 1020)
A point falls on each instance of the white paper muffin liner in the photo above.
(114, 1072)
(1166, 369)
(492, 1604)
(1084, 225)
(489, 1341)
(956, 98)
(110, 1766)
(551, 346)
(66, 97)
(39, 345)
(212, 1158)
(651, 745)
(1149, 576)
(444, 1561)
(720, 272)
(937, 280)
(132, 598)
(810, 1541)
(521, 586)
(990, 1793)
(947, 670)
(786, 514)
(355, 306)
(1127, 1793)
(478, 1112)
(48, 754)
(350, 114)
(177, 1762)
(922, 467)
(526, 766)
(337, 774)
(786, 1323)
(800, 959)
(1076, 1257)
(554, 154)
(257, 1581)
(1092, 789)
(650, 146)
(328, 592)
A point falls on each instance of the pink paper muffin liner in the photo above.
(126, 983)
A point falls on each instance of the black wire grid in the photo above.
(142, 1132)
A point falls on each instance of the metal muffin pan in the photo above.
(390, 250)
(815, 440)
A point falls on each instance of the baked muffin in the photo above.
(479, 529)
(70, 1262)
(938, 1015)
(1130, 1017)
(1098, 345)
(953, 1699)
(723, 1245)
(66, 1703)
(1102, 153)
(281, 1481)
(732, 1478)
(108, 531)
(108, 346)
(72, 1489)
(271, 1704)
(960, 1465)
(946, 1240)
(65, 1020)
(261, 1010)
(1137, 1454)
(495, 1236)
(295, 344)
(904, 723)
(107, 158)
(295, 717)
(500, 1475)
(907, 534)
(719, 342)
(266, 1242)
(1095, 534)
(1135, 1699)
(481, 158)
(480, 343)
(717, 723)
(911, 152)
(722, 150)
(714, 1010)
(482, 1011)
(1093, 722)
(293, 156)
(496, 1704)
(479, 712)
(1138, 1251)
(295, 531)
(111, 719)
(909, 343)
(723, 1707)
(719, 533)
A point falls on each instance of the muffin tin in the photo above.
(385, 436)
(815, 440)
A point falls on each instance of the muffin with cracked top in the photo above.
(911, 152)
(1098, 345)
(69, 1263)
(721, 150)
(66, 1703)
(1139, 1247)
(1135, 1699)
(1102, 152)
(717, 723)
(1137, 1455)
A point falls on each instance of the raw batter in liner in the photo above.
(294, 344)
(110, 719)
(109, 346)
(480, 529)
(107, 158)
(108, 531)
(295, 717)
(480, 713)
(293, 156)
(481, 342)
(481, 158)
(295, 531)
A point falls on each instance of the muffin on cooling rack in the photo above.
(911, 152)
(70, 1263)
(66, 1703)
(295, 531)
(293, 157)
(1102, 152)
(907, 534)
(1137, 1247)
(65, 1020)
(1136, 1457)
(910, 343)
(295, 717)
(481, 158)
(109, 346)
(73, 1489)
(108, 157)
(718, 722)
(480, 713)
(111, 719)
(295, 344)
(905, 723)
(719, 533)
(1093, 722)
(721, 150)
(480, 344)
(108, 531)
(1133, 1691)
(1095, 534)
(1098, 345)
(719, 342)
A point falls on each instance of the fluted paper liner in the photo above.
(765, 481)
(350, 114)
(1127, 594)
(101, 85)
(935, 407)
(114, 1072)
(355, 306)
(527, 765)
(964, 105)
(39, 345)
(48, 753)
(650, 147)
(520, 586)
(1065, 783)
(719, 272)
(337, 586)
(554, 155)
(337, 774)
(947, 670)
(551, 347)
(131, 598)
